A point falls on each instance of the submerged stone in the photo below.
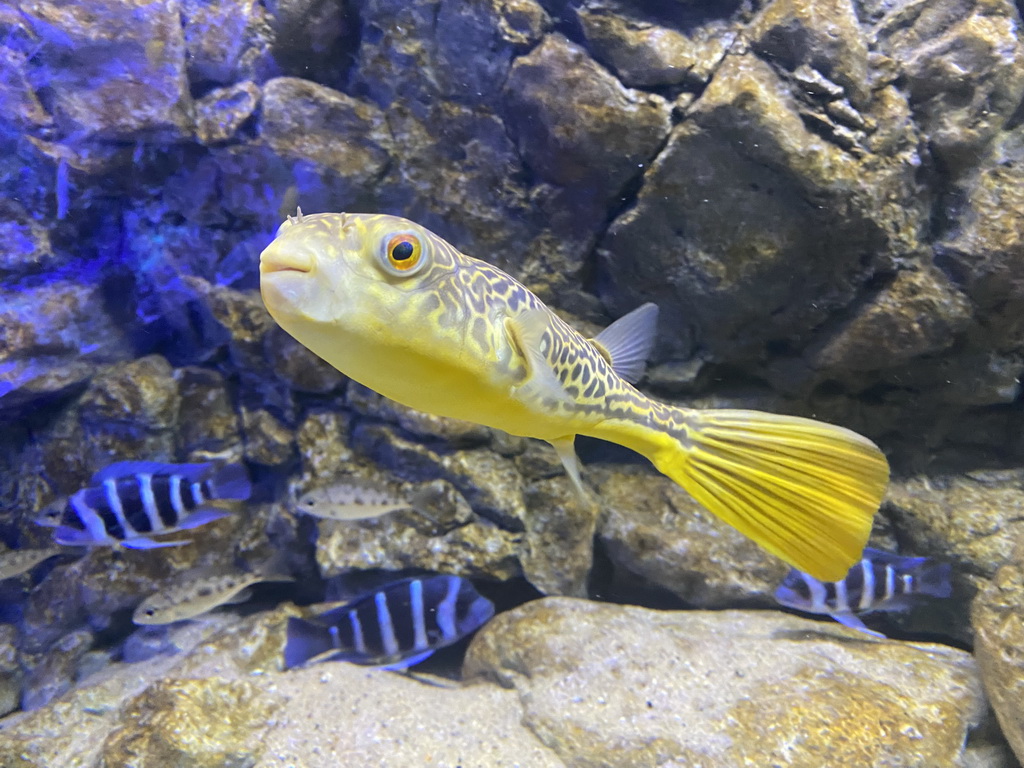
(618, 685)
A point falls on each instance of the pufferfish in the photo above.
(396, 308)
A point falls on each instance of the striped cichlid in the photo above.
(397, 626)
(881, 581)
(129, 502)
(398, 309)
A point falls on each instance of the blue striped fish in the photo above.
(880, 581)
(130, 501)
(395, 627)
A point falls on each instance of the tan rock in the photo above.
(303, 121)
(998, 619)
(824, 34)
(341, 714)
(615, 685)
(919, 313)
(976, 518)
(209, 723)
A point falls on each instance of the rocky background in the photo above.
(827, 202)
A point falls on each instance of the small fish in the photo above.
(396, 308)
(18, 561)
(195, 596)
(353, 499)
(130, 501)
(881, 581)
(396, 627)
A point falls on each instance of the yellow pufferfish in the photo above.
(396, 308)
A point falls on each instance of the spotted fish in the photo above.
(131, 501)
(355, 499)
(397, 626)
(15, 562)
(398, 309)
(198, 594)
(881, 581)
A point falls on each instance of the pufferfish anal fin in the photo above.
(627, 342)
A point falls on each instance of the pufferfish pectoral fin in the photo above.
(627, 342)
(526, 334)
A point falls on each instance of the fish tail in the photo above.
(934, 579)
(231, 482)
(306, 640)
(804, 490)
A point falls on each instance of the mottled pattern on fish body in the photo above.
(465, 309)
(18, 561)
(398, 625)
(403, 312)
(130, 501)
(351, 499)
(194, 597)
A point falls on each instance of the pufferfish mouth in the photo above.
(279, 260)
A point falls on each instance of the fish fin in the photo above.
(192, 472)
(202, 516)
(231, 482)
(804, 490)
(306, 640)
(893, 559)
(144, 542)
(934, 580)
(72, 537)
(566, 451)
(409, 662)
(627, 342)
(527, 331)
(853, 622)
(241, 596)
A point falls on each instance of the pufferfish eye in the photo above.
(404, 253)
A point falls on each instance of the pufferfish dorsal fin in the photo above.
(627, 342)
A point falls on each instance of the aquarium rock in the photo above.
(976, 519)
(222, 112)
(56, 672)
(618, 685)
(108, 78)
(998, 619)
(655, 533)
(644, 53)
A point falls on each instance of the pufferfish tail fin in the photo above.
(804, 490)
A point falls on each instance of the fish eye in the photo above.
(403, 253)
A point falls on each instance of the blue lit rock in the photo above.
(108, 76)
(55, 674)
(218, 33)
(221, 112)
